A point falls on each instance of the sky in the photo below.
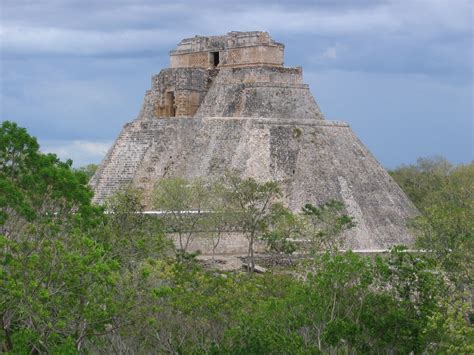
(399, 72)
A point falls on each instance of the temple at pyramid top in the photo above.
(240, 74)
(236, 49)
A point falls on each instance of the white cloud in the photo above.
(74, 97)
(410, 18)
(137, 26)
(330, 53)
(80, 151)
(27, 39)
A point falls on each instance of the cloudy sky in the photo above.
(399, 72)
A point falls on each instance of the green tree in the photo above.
(324, 226)
(89, 170)
(446, 226)
(449, 328)
(252, 202)
(35, 186)
(336, 289)
(412, 284)
(220, 218)
(445, 231)
(56, 279)
(285, 228)
(184, 204)
(130, 235)
(76, 279)
(422, 179)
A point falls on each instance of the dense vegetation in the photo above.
(75, 278)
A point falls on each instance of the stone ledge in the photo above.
(262, 84)
(282, 121)
(160, 121)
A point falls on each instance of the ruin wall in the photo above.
(313, 160)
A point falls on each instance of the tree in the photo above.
(252, 202)
(324, 225)
(285, 228)
(37, 186)
(335, 291)
(89, 170)
(445, 231)
(183, 203)
(75, 279)
(56, 278)
(448, 327)
(221, 217)
(70, 274)
(446, 226)
(420, 180)
(130, 235)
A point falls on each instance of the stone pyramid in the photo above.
(228, 103)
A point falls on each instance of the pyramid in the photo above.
(228, 103)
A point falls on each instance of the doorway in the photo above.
(170, 105)
(215, 58)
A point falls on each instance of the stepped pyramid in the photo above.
(228, 103)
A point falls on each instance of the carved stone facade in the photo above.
(236, 49)
(180, 90)
(177, 92)
(250, 114)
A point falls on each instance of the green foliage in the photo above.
(252, 203)
(284, 228)
(444, 194)
(56, 291)
(89, 170)
(449, 326)
(77, 279)
(68, 271)
(56, 278)
(446, 225)
(297, 132)
(324, 226)
(37, 186)
(422, 179)
(177, 194)
(445, 231)
(185, 203)
(222, 217)
(130, 235)
(348, 303)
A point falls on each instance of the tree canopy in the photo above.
(79, 278)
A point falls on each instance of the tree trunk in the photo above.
(252, 258)
(8, 345)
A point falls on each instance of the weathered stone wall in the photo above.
(230, 92)
(237, 49)
(262, 122)
(231, 243)
(314, 160)
(252, 56)
(235, 57)
(192, 60)
(234, 39)
(259, 92)
(176, 92)
(122, 161)
(267, 75)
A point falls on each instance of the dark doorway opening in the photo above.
(215, 58)
(170, 104)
